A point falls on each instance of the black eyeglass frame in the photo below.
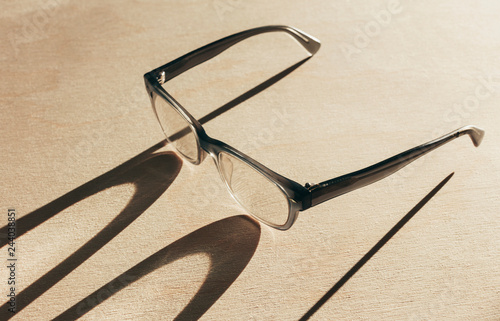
(299, 197)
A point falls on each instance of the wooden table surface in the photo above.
(111, 224)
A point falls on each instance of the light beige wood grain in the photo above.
(74, 109)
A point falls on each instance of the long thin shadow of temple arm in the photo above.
(252, 92)
(241, 98)
(374, 250)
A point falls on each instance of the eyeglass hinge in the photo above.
(311, 186)
(306, 203)
(161, 78)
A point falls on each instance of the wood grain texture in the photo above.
(115, 226)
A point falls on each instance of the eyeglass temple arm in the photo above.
(347, 183)
(198, 56)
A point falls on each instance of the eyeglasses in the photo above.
(266, 195)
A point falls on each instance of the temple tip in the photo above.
(476, 134)
(310, 43)
(313, 45)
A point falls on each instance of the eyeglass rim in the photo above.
(289, 202)
(293, 191)
(155, 91)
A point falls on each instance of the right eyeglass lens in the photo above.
(177, 129)
(255, 192)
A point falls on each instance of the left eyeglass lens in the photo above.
(261, 197)
(176, 128)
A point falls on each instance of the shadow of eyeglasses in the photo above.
(236, 237)
(149, 187)
(151, 178)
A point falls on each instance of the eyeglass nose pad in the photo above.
(227, 169)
